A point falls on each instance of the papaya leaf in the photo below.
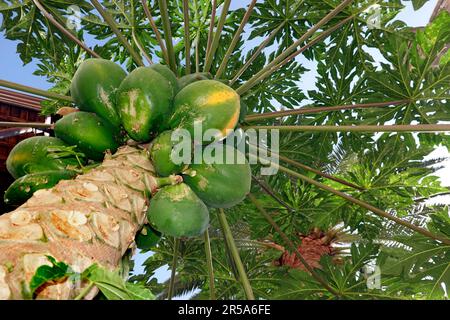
(112, 285)
(139, 292)
(45, 274)
(419, 267)
(417, 4)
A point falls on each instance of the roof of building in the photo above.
(20, 99)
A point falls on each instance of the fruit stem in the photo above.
(293, 247)
(174, 269)
(209, 266)
(189, 172)
(168, 181)
(235, 254)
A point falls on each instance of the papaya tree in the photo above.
(344, 216)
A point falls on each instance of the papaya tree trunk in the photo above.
(91, 219)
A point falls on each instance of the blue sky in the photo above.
(12, 69)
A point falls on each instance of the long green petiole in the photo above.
(217, 34)
(112, 24)
(141, 47)
(278, 66)
(176, 246)
(285, 113)
(235, 254)
(257, 53)
(155, 30)
(361, 128)
(308, 168)
(187, 40)
(35, 125)
(211, 28)
(235, 40)
(209, 266)
(167, 34)
(38, 92)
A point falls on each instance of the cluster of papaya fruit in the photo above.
(144, 106)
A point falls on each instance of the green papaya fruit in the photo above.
(222, 184)
(193, 77)
(147, 238)
(160, 151)
(94, 87)
(168, 74)
(90, 133)
(38, 154)
(23, 188)
(144, 102)
(178, 212)
(209, 102)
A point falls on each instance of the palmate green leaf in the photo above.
(139, 292)
(45, 274)
(417, 4)
(57, 56)
(270, 14)
(393, 173)
(414, 73)
(278, 90)
(37, 37)
(418, 270)
(112, 285)
(440, 221)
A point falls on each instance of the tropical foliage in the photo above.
(400, 74)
